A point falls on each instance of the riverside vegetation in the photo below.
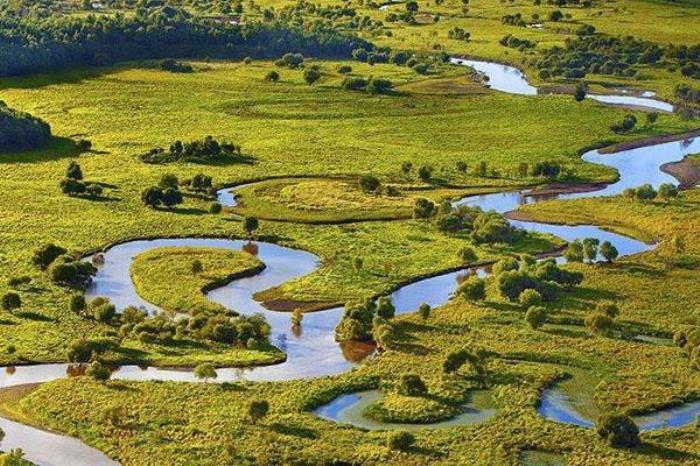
(346, 133)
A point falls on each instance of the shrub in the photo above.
(171, 197)
(379, 86)
(215, 208)
(574, 252)
(369, 184)
(425, 173)
(152, 197)
(82, 350)
(424, 208)
(272, 76)
(412, 385)
(536, 316)
(257, 409)
(70, 272)
(311, 75)
(104, 312)
(608, 251)
(98, 371)
(421, 68)
(473, 289)
(424, 311)
(344, 69)
(529, 298)
(401, 440)
(77, 303)
(74, 171)
(467, 255)
(11, 301)
(72, 187)
(250, 224)
(618, 430)
(205, 371)
(354, 83)
(168, 180)
(385, 308)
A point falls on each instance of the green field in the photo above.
(304, 150)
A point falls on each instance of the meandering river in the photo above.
(313, 352)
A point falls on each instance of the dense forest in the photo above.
(38, 44)
(20, 130)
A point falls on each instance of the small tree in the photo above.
(424, 208)
(369, 184)
(272, 76)
(171, 197)
(152, 196)
(205, 371)
(590, 249)
(401, 440)
(473, 289)
(196, 267)
(652, 117)
(425, 173)
(467, 255)
(168, 180)
(11, 301)
(580, 91)
(529, 298)
(574, 253)
(646, 193)
(250, 224)
(618, 430)
(385, 308)
(257, 409)
(424, 311)
(668, 191)
(77, 303)
(406, 168)
(98, 371)
(412, 385)
(74, 172)
(311, 75)
(536, 316)
(215, 208)
(608, 251)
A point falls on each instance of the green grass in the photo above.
(164, 276)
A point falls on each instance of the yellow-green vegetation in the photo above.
(174, 279)
(336, 200)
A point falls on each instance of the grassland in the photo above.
(155, 273)
(129, 110)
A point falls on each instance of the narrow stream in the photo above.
(509, 79)
(313, 352)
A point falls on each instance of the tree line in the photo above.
(39, 44)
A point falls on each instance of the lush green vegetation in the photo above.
(20, 130)
(174, 279)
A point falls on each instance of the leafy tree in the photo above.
(590, 249)
(74, 171)
(556, 15)
(401, 440)
(652, 117)
(311, 75)
(529, 298)
(467, 255)
(68, 271)
(250, 224)
(668, 191)
(476, 357)
(272, 76)
(385, 308)
(536, 316)
(98, 371)
(257, 409)
(201, 182)
(608, 251)
(618, 430)
(205, 371)
(425, 173)
(580, 91)
(369, 184)
(11, 301)
(45, 255)
(152, 196)
(473, 289)
(354, 83)
(72, 187)
(215, 208)
(574, 252)
(424, 311)
(424, 208)
(379, 86)
(171, 197)
(412, 385)
(168, 180)
(646, 193)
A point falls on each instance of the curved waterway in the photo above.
(313, 352)
(509, 79)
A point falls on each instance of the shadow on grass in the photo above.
(57, 148)
(37, 81)
(660, 451)
(294, 431)
(32, 315)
